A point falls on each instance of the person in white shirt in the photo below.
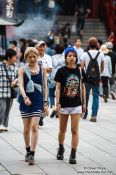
(45, 59)
(85, 59)
(58, 61)
(46, 62)
(107, 72)
(78, 48)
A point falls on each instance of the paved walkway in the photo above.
(96, 151)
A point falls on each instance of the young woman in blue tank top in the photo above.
(33, 100)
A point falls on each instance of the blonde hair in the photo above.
(30, 49)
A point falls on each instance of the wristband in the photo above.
(25, 98)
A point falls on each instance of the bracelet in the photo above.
(45, 101)
(57, 104)
(26, 98)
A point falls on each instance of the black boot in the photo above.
(105, 98)
(60, 154)
(27, 154)
(41, 121)
(72, 159)
(53, 114)
(31, 158)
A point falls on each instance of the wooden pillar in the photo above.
(95, 8)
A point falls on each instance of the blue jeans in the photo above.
(52, 96)
(95, 93)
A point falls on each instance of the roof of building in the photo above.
(9, 22)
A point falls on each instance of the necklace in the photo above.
(34, 70)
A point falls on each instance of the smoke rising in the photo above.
(38, 18)
(34, 28)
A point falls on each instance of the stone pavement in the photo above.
(96, 151)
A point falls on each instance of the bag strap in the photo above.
(80, 82)
(7, 75)
(92, 57)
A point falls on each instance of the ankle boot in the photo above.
(53, 114)
(27, 157)
(72, 159)
(60, 154)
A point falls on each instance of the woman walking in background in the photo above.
(33, 100)
(58, 61)
(68, 101)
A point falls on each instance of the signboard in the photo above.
(9, 8)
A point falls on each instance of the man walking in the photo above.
(78, 48)
(46, 62)
(93, 62)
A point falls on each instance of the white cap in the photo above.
(109, 45)
(39, 43)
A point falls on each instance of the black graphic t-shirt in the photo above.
(70, 86)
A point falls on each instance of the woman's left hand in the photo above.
(45, 110)
(58, 106)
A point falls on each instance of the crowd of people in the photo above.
(60, 78)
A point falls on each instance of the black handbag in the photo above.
(13, 92)
(13, 89)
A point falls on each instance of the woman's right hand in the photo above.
(58, 106)
(27, 101)
(84, 108)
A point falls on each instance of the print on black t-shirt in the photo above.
(72, 86)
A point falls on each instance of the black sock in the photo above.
(73, 151)
(28, 149)
(61, 146)
(32, 153)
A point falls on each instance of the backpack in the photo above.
(93, 73)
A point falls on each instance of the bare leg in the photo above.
(74, 129)
(63, 119)
(75, 137)
(34, 134)
(26, 132)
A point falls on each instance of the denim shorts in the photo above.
(71, 110)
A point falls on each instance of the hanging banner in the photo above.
(10, 8)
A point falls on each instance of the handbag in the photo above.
(13, 89)
(13, 92)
